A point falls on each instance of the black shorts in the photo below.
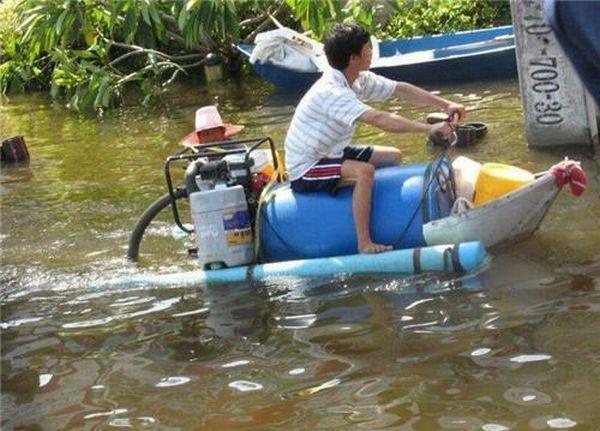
(325, 175)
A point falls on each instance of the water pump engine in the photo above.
(221, 218)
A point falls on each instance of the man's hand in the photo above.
(455, 110)
(440, 133)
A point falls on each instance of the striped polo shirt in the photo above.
(324, 121)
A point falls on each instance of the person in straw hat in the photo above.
(210, 128)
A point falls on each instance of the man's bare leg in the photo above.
(363, 174)
(385, 156)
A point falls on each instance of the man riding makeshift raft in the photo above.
(438, 215)
(239, 221)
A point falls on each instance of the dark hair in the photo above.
(342, 41)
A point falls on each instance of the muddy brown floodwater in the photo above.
(520, 350)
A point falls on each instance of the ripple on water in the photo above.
(172, 381)
(44, 379)
(88, 323)
(235, 363)
(132, 300)
(527, 396)
(372, 388)
(156, 307)
(201, 310)
(461, 423)
(561, 423)
(245, 386)
(108, 413)
(142, 421)
(120, 423)
(544, 422)
(296, 322)
(19, 322)
(494, 427)
(521, 359)
(480, 352)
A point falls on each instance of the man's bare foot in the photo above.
(372, 248)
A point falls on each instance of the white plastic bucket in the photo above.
(466, 172)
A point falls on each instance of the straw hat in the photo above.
(208, 117)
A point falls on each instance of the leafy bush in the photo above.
(419, 17)
(318, 16)
(90, 53)
(393, 19)
(10, 71)
(8, 27)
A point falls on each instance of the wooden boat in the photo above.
(443, 58)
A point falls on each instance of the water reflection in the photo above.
(512, 347)
(241, 310)
(357, 351)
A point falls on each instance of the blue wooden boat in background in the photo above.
(445, 58)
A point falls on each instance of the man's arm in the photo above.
(393, 123)
(418, 96)
(397, 124)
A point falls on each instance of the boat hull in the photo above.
(434, 59)
(510, 218)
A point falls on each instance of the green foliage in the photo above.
(79, 77)
(13, 76)
(401, 18)
(89, 53)
(95, 50)
(369, 13)
(20, 70)
(419, 17)
(201, 19)
(315, 15)
(319, 16)
(8, 27)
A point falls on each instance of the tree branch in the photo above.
(187, 57)
(254, 20)
(171, 79)
(189, 66)
(132, 53)
(138, 50)
(264, 24)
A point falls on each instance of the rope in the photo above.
(434, 174)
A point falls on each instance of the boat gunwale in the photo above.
(439, 59)
(412, 64)
(480, 53)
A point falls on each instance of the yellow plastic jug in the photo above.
(497, 179)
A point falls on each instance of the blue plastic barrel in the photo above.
(310, 225)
